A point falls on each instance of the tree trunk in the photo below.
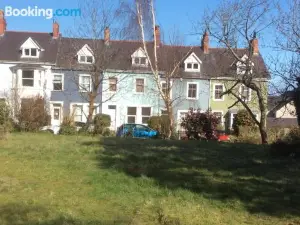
(170, 119)
(263, 133)
(89, 120)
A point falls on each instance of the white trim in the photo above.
(109, 91)
(249, 92)
(134, 90)
(231, 120)
(188, 61)
(171, 83)
(80, 87)
(187, 90)
(63, 83)
(214, 92)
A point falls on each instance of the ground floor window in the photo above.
(131, 114)
(146, 113)
(78, 113)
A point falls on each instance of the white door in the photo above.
(56, 115)
(112, 112)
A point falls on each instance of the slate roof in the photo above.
(11, 42)
(117, 55)
(281, 122)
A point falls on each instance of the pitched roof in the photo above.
(117, 54)
(281, 122)
(11, 42)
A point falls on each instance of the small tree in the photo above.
(199, 124)
(243, 118)
(160, 124)
(101, 122)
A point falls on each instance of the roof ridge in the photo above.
(36, 32)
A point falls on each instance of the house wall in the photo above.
(287, 111)
(6, 80)
(126, 96)
(71, 95)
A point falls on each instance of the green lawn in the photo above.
(64, 180)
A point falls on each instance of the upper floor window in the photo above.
(113, 84)
(85, 84)
(164, 88)
(28, 78)
(85, 59)
(192, 66)
(139, 85)
(245, 93)
(218, 91)
(30, 52)
(192, 90)
(192, 63)
(142, 61)
(58, 82)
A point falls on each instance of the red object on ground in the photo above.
(223, 137)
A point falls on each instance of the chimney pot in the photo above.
(254, 46)
(106, 35)
(55, 33)
(2, 23)
(205, 42)
(157, 36)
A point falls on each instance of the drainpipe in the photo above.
(209, 91)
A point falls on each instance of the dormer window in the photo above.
(30, 49)
(241, 68)
(192, 63)
(85, 59)
(139, 58)
(140, 61)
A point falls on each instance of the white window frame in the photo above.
(214, 92)
(139, 64)
(81, 89)
(85, 61)
(192, 69)
(164, 82)
(62, 81)
(145, 115)
(28, 79)
(74, 111)
(30, 56)
(222, 115)
(142, 78)
(135, 116)
(187, 90)
(249, 92)
(109, 84)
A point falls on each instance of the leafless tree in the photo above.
(98, 24)
(231, 24)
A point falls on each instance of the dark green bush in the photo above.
(101, 121)
(160, 124)
(33, 114)
(67, 130)
(242, 119)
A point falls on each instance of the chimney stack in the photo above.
(55, 33)
(157, 36)
(2, 23)
(106, 35)
(205, 42)
(254, 45)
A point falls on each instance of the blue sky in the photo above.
(170, 14)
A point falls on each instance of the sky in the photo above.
(170, 14)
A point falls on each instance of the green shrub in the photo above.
(101, 121)
(242, 119)
(293, 136)
(107, 133)
(160, 124)
(249, 135)
(68, 127)
(33, 114)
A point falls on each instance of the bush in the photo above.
(5, 121)
(198, 124)
(243, 118)
(249, 135)
(101, 121)
(160, 124)
(68, 127)
(33, 114)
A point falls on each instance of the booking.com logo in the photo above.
(35, 11)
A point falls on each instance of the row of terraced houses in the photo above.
(47, 64)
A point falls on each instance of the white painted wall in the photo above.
(287, 111)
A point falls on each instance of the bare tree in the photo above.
(99, 21)
(286, 67)
(235, 23)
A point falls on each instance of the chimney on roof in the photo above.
(205, 42)
(157, 35)
(106, 35)
(55, 33)
(254, 45)
(2, 23)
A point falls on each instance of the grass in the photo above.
(74, 180)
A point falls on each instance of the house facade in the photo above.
(67, 71)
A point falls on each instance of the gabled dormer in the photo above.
(139, 58)
(85, 55)
(241, 67)
(30, 49)
(192, 63)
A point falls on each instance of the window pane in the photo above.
(139, 85)
(111, 107)
(57, 77)
(27, 74)
(143, 61)
(192, 92)
(146, 111)
(195, 66)
(218, 91)
(89, 59)
(137, 60)
(112, 84)
(189, 66)
(27, 82)
(131, 119)
(57, 86)
(26, 51)
(33, 52)
(56, 114)
(131, 111)
(82, 58)
(164, 112)
(145, 119)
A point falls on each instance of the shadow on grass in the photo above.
(18, 214)
(221, 171)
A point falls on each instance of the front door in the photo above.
(112, 112)
(56, 115)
